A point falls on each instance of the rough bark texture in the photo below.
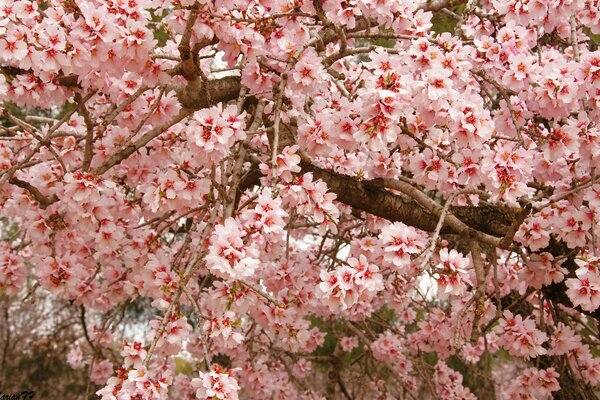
(368, 197)
(198, 94)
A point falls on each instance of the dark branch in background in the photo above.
(35, 193)
(88, 152)
(369, 197)
(189, 68)
(437, 5)
(95, 349)
(456, 225)
(4, 369)
(62, 80)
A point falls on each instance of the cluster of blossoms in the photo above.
(534, 383)
(584, 290)
(217, 383)
(449, 385)
(436, 333)
(388, 348)
(12, 273)
(172, 189)
(358, 281)
(543, 270)
(454, 274)
(349, 343)
(170, 340)
(311, 197)
(133, 379)
(265, 222)
(221, 330)
(564, 340)
(520, 337)
(212, 132)
(157, 279)
(100, 371)
(229, 256)
(588, 366)
(400, 243)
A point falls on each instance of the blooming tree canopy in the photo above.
(317, 199)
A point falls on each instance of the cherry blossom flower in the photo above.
(350, 283)
(454, 276)
(173, 336)
(400, 243)
(520, 337)
(228, 255)
(348, 343)
(584, 290)
(563, 340)
(12, 273)
(101, 372)
(75, 358)
(535, 383)
(449, 383)
(543, 270)
(223, 328)
(217, 383)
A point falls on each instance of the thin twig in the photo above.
(480, 276)
(574, 42)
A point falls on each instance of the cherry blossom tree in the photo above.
(309, 199)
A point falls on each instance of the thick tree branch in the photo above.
(433, 207)
(480, 276)
(371, 197)
(197, 94)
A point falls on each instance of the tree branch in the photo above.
(141, 142)
(371, 197)
(35, 192)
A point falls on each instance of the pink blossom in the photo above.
(228, 255)
(563, 340)
(222, 330)
(454, 276)
(449, 383)
(12, 272)
(101, 372)
(349, 343)
(75, 358)
(535, 383)
(217, 383)
(357, 281)
(520, 337)
(584, 290)
(400, 243)
(173, 335)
